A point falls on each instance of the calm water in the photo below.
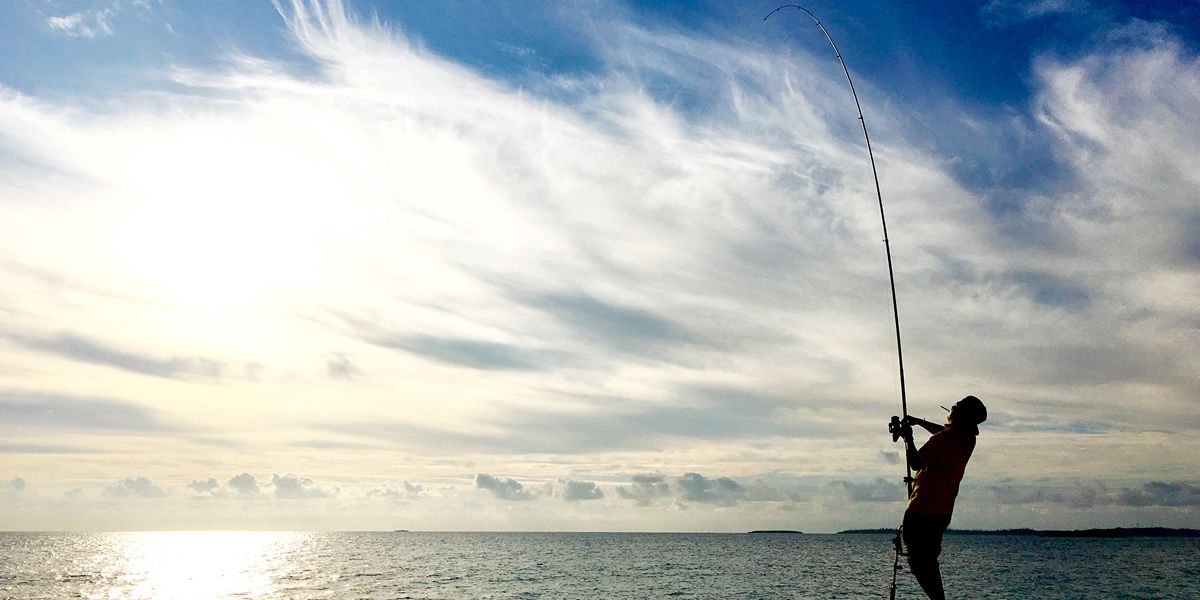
(572, 565)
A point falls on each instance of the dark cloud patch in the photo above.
(891, 458)
(139, 487)
(695, 487)
(504, 489)
(81, 349)
(463, 352)
(339, 366)
(457, 351)
(645, 489)
(15, 485)
(293, 487)
(573, 490)
(622, 328)
(244, 485)
(1161, 493)
(1050, 290)
(880, 490)
(33, 409)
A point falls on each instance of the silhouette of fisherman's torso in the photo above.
(945, 457)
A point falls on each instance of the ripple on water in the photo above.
(437, 566)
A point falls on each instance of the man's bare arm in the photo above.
(930, 427)
(911, 454)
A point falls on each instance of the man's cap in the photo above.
(973, 409)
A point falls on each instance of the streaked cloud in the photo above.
(41, 410)
(76, 347)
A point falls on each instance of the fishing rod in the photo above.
(896, 422)
(882, 217)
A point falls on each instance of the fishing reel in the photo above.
(898, 429)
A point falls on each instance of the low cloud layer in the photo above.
(139, 487)
(293, 487)
(574, 491)
(1182, 494)
(503, 489)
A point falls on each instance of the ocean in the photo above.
(211, 565)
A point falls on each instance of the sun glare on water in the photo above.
(202, 564)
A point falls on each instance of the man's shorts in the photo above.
(923, 533)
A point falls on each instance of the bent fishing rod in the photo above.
(882, 217)
(896, 424)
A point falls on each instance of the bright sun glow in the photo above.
(202, 564)
(226, 244)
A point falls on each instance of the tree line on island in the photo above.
(1114, 532)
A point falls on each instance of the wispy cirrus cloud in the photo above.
(27, 409)
(89, 25)
(77, 347)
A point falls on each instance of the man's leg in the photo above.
(923, 539)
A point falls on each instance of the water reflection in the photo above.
(199, 564)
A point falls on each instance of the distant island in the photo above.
(1115, 532)
(761, 531)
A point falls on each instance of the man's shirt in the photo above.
(945, 457)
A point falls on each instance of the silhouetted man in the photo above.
(939, 465)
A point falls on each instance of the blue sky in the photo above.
(591, 266)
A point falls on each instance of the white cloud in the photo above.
(89, 25)
(405, 491)
(204, 488)
(1005, 12)
(293, 487)
(244, 484)
(139, 487)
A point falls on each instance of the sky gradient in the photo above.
(592, 266)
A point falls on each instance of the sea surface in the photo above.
(211, 565)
